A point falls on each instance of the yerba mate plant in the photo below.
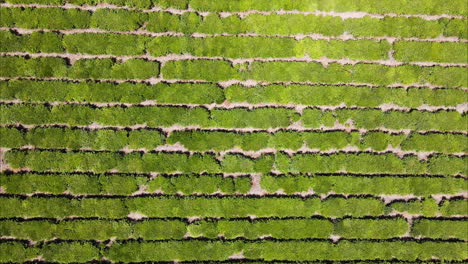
(233, 131)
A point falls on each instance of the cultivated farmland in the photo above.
(257, 131)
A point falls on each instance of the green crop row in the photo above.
(153, 229)
(152, 116)
(427, 207)
(204, 93)
(431, 51)
(433, 7)
(444, 229)
(373, 118)
(60, 138)
(263, 117)
(335, 95)
(179, 4)
(376, 185)
(103, 92)
(199, 140)
(292, 140)
(191, 22)
(277, 71)
(371, 6)
(219, 70)
(134, 251)
(81, 69)
(78, 184)
(289, 250)
(46, 160)
(232, 47)
(221, 46)
(190, 206)
(227, 207)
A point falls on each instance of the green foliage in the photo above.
(177, 162)
(376, 185)
(283, 229)
(104, 139)
(282, 71)
(73, 183)
(193, 250)
(188, 184)
(117, 19)
(444, 120)
(350, 95)
(105, 43)
(190, 22)
(189, 206)
(89, 91)
(113, 116)
(49, 18)
(372, 228)
(444, 229)
(264, 117)
(81, 69)
(431, 51)
(371, 6)
(354, 250)
(35, 42)
(375, 163)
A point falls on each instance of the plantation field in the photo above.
(233, 131)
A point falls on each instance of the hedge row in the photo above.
(227, 207)
(454, 207)
(103, 92)
(335, 95)
(155, 229)
(232, 47)
(190, 206)
(263, 117)
(431, 51)
(135, 251)
(81, 69)
(220, 70)
(179, 4)
(152, 116)
(278, 71)
(376, 185)
(222, 46)
(374, 118)
(42, 160)
(444, 229)
(199, 140)
(212, 140)
(204, 93)
(434, 7)
(60, 138)
(191, 22)
(78, 184)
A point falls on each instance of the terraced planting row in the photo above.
(228, 131)
(215, 23)
(220, 70)
(231, 47)
(212, 140)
